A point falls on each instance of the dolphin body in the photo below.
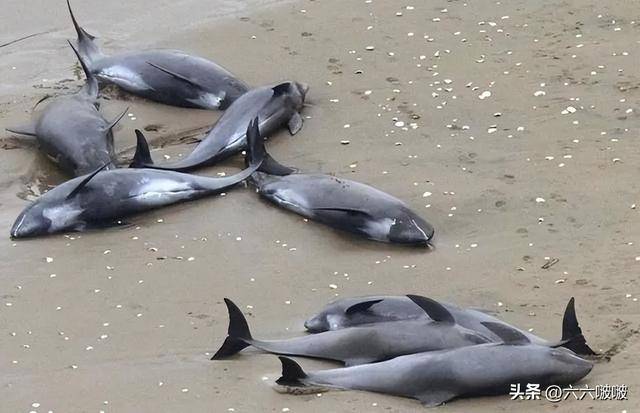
(71, 131)
(103, 197)
(437, 377)
(171, 77)
(359, 345)
(349, 312)
(342, 204)
(274, 106)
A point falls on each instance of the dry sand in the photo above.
(129, 320)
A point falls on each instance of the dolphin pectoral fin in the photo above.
(118, 118)
(280, 89)
(85, 181)
(28, 129)
(42, 99)
(508, 334)
(175, 75)
(359, 361)
(295, 123)
(435, 398)
(361, 307)
(351, 211)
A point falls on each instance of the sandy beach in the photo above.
(511, 126)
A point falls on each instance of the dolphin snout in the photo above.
(16, 229)
(314, 325)
(303, 88)
(413, 231)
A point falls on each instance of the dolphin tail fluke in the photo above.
(87, 48)
(238, 333)
(572, 337)
(256, 152)
(230, 347)
(292, 373)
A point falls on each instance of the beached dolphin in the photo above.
(342, 204)
(359, 345)
(346, 205)
(103, 197)
(166, 76)
(349, 312)
(275, 106)
(71, 131)
(439, 376)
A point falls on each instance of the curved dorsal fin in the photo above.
(507, 334)
(85, 181)
(361, 306)
(434, 309)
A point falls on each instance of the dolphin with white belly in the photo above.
(437, 377)
(274, 106)
(72, 132)
(171, 77)
(104, 197)
(359, 345)
(349, 312)
(342, 204)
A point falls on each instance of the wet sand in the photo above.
(125, 320)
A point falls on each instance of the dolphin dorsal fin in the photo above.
(361, 306)
(435, 310)
(85, 181)
(281, 89)
(507, 334)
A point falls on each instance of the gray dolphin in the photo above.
(275, 106)
(342, 204)
(101, 198)
(349, 312)
(71, 131)
(439, 376)
(359, 345)
(166, 76)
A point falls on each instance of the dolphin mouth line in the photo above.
(427, 238)
(14, 233)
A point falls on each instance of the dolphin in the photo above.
(103, 197)
(171, 77)
(71, 131)
(342, 204)
(359, 345)
(274, 106)
(349, 312)
(437, 377)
